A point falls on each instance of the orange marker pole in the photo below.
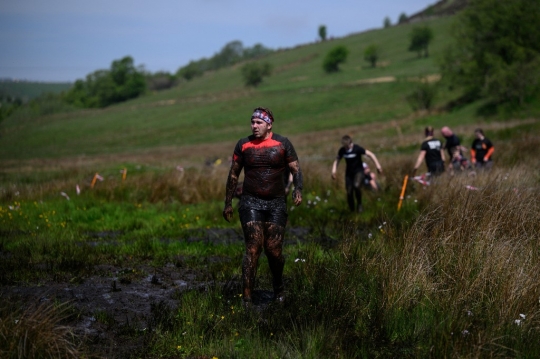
(94, 180)
(124, 174)
(402, 196)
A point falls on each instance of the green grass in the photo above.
(447, 276)
(215, 107)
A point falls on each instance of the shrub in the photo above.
(371, 54)
(254, 72)
(423, 96)
(334, 58)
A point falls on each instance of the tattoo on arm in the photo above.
(232, 181)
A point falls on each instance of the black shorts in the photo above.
(259, 210)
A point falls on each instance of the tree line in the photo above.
(495, 55)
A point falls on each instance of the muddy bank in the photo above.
(116, 308)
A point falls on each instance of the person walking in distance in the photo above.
(431, 150)
(481, 150)
(264, 156)
(354, 172)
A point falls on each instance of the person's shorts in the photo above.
(260, 210)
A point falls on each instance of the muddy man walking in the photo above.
(264, 156)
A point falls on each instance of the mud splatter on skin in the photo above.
(261, 236)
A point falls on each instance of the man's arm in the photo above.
(419, 160)
(232, 182)
(298, 182)
(334, 168)
(374, 159)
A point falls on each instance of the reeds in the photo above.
(36, 332)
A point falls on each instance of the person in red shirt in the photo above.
(264, 156)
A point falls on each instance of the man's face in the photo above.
(260, 128)
(346, 144)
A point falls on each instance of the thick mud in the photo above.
(116, 307)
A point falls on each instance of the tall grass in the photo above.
(457, 281)
(36, 332)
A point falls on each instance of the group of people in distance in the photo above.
(432, 151)
(271, 166)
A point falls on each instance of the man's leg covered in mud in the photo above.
(273, 248)
(254, 238)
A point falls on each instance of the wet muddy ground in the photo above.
(116, 306)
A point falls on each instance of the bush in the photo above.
(335, 57)
(496, 51)
(160, 81)
(123, 81)
(254, 72)
(420, 37)
(423, 96)
(371, 54)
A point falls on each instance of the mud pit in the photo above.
(117, 306)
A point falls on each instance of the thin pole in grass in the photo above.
(94, 180)
(124, 174)
(96, 177)
(402, 195)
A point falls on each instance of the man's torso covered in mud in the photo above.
(264, 163)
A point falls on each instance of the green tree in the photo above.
(496, 51)
(371, 54)
(258, 50)
(253, 73)
(190, 71)
(230, 54)
(423, 95)
(334, 58)
(387, 22)
(402, 18)
(123, 81)
(420, 37)
(322, 32)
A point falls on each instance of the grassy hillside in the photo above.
(149, 268)
(27, 90)
(216, 107)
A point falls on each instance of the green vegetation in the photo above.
(334, 58)
(106, 87)
(27, 90)
(496, 51)
(232, 53)
(420, 37)
(254, 73)
(372, 54)
(452, 274)
(423, 96)
(322, 32)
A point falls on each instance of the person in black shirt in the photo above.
(481, 150)
(264, 156)
(456, 152)
(431, 150)
(354, 172)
